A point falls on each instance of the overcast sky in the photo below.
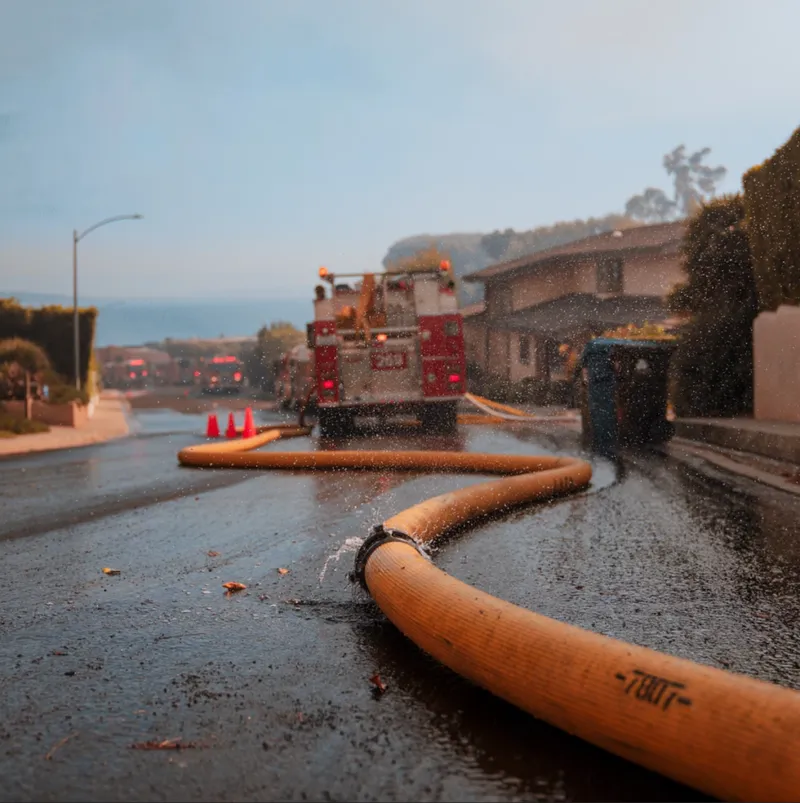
(261, 139)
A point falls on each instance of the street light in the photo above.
(76, 238)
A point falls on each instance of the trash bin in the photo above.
(624, 393)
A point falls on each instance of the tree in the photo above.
(425, 259)
(497, 243)
(20, 363)
(652, 206)
(713, 363)
(271, 342)
(510, 244)
(693, 182)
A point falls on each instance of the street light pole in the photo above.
(76, 238)
(75, 320)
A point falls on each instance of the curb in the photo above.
(91, 440)
(683, 450)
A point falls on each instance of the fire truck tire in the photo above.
(439, 417)
(334, 423)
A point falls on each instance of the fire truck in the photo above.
(294, 378)
(387, 344)
(223, 374)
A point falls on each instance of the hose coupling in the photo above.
(379, 536)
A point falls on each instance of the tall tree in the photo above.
(693, 183)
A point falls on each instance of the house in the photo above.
(542, 308)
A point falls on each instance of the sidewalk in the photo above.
(109, 421)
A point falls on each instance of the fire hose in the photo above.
(725, 734)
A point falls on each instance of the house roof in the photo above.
(579, 311)
(663, 237)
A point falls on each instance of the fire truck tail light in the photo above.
(237, 377)
(197, 373)
(328, 384)
(453, 378)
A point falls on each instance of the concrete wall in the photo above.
(645, 275)
(776, 364)
(56, 415)
(475, 340)
(498, 358)
(547, 283)
(518, 369)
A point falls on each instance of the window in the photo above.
(609, 275)
(524, 349)
(499, 300)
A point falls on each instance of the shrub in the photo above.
(772, 200)
(713, 363)
(11, 425)
(17, 358)
(63, 394)
(51, 328)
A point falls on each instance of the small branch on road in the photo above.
(59, 744)
(177, 635)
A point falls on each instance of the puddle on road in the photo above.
(350, 545)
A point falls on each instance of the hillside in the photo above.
(471, 252)
(465, 250)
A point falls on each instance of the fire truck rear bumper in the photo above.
(400, 407)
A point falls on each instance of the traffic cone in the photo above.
(230, 432)
(212, 430)
(249, 429)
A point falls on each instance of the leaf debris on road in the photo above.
(212, 553)
(166, 744)
(233, 588)
(283, 571)
(111, 571)
(377, 682)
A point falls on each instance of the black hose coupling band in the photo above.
(379, 536)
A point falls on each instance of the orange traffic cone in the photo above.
(230, 432)
(249, 430)
(212, 430)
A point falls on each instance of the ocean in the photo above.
(133, 322)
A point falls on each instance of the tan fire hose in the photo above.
(726, 734)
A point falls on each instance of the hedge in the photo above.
(713, 363)
(52, 329)
(772, 200)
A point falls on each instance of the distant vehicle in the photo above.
(294, 378)
(222, 375)
(392, 344)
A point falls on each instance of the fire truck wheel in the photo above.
(334, 423)
(439, 417)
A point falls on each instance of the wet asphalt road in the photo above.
(272, 684)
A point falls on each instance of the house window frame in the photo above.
(500, 300)
(525, 349)
(610, 275)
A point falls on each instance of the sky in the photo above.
(261, 139)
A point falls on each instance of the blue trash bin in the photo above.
(624, 393)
